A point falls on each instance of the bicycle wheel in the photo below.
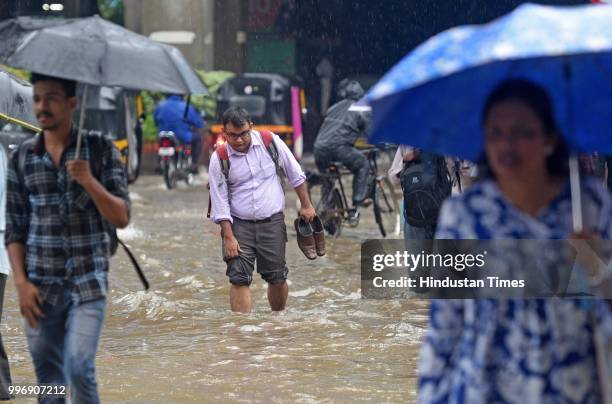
(334, 222)
(386, 208)
(330, 210)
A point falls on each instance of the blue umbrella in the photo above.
(434, 97)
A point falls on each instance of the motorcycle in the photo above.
(174, 159)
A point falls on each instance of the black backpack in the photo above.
(426, 183)
(96, 151)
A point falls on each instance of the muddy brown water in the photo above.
(179, 342)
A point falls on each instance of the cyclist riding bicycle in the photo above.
(336, 138)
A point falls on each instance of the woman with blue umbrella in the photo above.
(538, 350)
(518, 93)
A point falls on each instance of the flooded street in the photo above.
(479, 126)
(179, 342)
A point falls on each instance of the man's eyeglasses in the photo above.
(236, 136)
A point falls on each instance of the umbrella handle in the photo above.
(81, 122)
(186, 113)
(576, 194)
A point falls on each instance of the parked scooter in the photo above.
(174, 159)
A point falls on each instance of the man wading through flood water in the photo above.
(250, 209)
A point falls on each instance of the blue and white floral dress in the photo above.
(514, 351)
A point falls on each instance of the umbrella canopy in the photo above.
(106, 111)
(16, 98)
(95, 51)
(434, 97)
(104, 98)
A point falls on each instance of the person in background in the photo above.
(519, 350)
(170, 116)
(336, 142)
(325, 71)
(406, 156)
(403, 156)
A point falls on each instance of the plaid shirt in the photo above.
(58, 222)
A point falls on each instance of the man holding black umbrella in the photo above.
(58, 210)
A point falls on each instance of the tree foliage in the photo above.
(112, 10)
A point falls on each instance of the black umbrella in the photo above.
(95, 51)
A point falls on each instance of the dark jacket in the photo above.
(341, 127)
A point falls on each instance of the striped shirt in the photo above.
(58, 222)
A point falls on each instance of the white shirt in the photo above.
(256, 192)
(398, 164)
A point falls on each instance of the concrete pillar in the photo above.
(229, 35)
(132, 14)
(208, 34)
(196, 16)
(218, 25)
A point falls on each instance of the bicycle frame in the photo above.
(338, 179)
(340, 211)
(373, 174)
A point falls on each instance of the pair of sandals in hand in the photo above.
(310, 237)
